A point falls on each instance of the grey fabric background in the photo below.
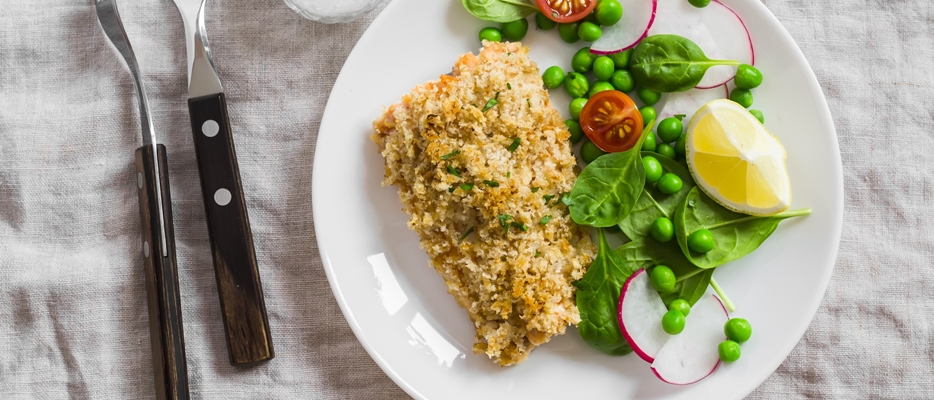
(72, 304)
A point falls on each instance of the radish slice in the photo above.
(638, 16)
(716, 29)
(640, 316)
(687, 103)
(692, 355)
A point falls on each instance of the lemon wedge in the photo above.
(736, 161)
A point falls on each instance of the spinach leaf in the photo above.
(499, 10)
(735, 235)
(670, 63)
(607, 189)
(653, 204)
(598, 300)
(647, 253)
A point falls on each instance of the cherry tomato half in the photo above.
(565, 11)
(612, 121)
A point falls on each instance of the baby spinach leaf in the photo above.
(499, 10)
(607, 189)
(654, 204)
(670, 63)
(598, 298)
(735, 235)
(647, 253)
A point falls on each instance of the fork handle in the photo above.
(166, 336)
(246, 326)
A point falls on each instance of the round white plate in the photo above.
(397, 304)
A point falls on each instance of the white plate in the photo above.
(397, 304)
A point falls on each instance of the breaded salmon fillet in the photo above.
(481, 159)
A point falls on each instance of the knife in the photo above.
(246, 326)
(166, 336)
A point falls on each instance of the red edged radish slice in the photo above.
(716, 29)
(692, 355)
(640, 316)
(687, 103)
(638, 16)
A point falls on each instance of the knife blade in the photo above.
(166, 334)
(246, 326)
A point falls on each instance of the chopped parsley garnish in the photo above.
(515, 145)
(491, 183)
(521, 227)
(548, 198)
(509, 174)
(464, 235)
(566, 199)
(467, 187)
(508, 86)
(451, 189)
(545, 220)
(538, 254)
(489, 104)
(504, 221)
(529, 102)
(535, 189)
(450, 155)
(454, 171)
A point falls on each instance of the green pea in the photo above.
(670, 183)
(648, 114)
(666, 150)
(623, 81)
(515, 31)
(649, 143)
(669, 129)
(576, 85)
(662, 278)
(576, 132)
(747, 77)
(681, 306)
(553, 77)
(603, 68)
(598, 87)
(576, 106)
(653, 168)
(737, 330)
(699, 3)
(649, 97)
(568, 32)
(729, 350)
(590, 152)
(608, 12)
(679, 145)
(491, 34)
(583, 60)
(673, 322)
(621, 59)
(700, 241)
(662, 230)
(758, 114)
(742, 96)
(589, 31)
(544, 23)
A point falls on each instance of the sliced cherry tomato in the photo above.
(566, 11)
(612, 121)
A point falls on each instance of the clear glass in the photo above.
(331, 11)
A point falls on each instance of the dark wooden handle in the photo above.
(238, 284)
(166, 335)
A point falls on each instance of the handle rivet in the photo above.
(146, 249)
(210, 128)
(139, 179)
(222, 197)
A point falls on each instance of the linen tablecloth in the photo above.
(73, 318)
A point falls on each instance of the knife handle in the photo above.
(246, 326)
(166, 336)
